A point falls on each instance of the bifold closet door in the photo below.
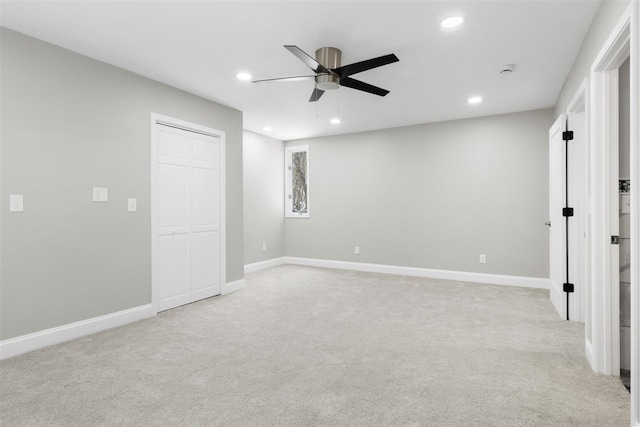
(188, 216)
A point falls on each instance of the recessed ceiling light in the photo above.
(335, 121)
(266, 129)
(475, 100)
(452, 21)
(243, 76)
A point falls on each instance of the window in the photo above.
(296, 163)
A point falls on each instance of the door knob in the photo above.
(548, 223)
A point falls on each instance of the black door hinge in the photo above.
(615, 240)
(567, 287)
(567, 135)
(567, 211)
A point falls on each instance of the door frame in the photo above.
(155, 121)
(635, 210)
(604, 137)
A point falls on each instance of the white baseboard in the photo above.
(25, 343)
(588, 352)
(493, 279)
(233, 286)
(257, 266)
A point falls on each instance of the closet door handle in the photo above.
(548, 223)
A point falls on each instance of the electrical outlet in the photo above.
(264, 247)
(483, 258)
(357, 250)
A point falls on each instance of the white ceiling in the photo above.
(201, 46)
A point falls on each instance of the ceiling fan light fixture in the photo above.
(243, 76)
(452, 21)
(335, 121)
(475, 100)
(327, 82)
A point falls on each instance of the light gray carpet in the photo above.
(307, 346)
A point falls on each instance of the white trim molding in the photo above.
(26, 343)
(261, 265)
(493, 279)
(635, 209)
(233, 286)
(288, 182)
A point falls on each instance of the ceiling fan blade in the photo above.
(307, 59)
(284, 79)
(365, 87)
(317, 93)
(358, 67)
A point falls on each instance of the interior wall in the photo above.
(70, 123)
(432, 196)
(263, 198)
(605, 19)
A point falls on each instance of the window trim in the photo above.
(288, 182)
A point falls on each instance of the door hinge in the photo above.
(567, 287)
(567, 211)
(615, 240)
(567, 135)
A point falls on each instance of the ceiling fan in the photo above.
(330, 74)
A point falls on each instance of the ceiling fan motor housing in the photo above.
(330, 58)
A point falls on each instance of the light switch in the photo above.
(625, 203)
(16, 203)
(100, 194)
(132, 205)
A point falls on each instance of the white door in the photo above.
(187, 218)
(557, 237)
(578, 224)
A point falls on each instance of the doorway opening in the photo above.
(624, 187)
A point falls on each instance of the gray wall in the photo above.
(263, 197)
(432, 196)
(70, 123)
(606, 18)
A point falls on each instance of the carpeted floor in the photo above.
(306, 346)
